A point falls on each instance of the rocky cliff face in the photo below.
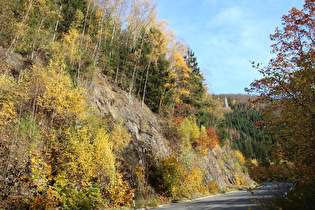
(147, 133)
(143, 125)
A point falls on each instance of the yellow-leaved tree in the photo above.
(60, 98)
(8, 110)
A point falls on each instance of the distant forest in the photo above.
(245, 128)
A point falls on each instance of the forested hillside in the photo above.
(245, 127)
(99, 101)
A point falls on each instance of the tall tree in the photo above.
(288, 88)
(68, 13)
(196, 83)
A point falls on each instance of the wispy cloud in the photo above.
(226, 35)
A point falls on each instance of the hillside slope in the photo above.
(148, 132)
(78, 82)
(140, 162)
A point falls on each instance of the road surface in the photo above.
(237, 200)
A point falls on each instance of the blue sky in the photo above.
(226, 35)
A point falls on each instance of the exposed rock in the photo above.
(11, 61)
(140, 121)
(147, 136)
(145, 127)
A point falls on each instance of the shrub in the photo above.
(213, 138)
(174, 179)
(213, 187)
(190, 133)
(119, 137)
(70, 198)
(44, 200)
(167, 176)
(117, 192)
(240, 157)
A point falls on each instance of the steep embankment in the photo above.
(148, 138)
(143, 125)
(64, 140)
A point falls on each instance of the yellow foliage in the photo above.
(104, 158)
(175, 178)
(193, 182)
(82, 164)
(240, 157)
(41, 171)
(7, 108)
(119, 138)
(118, 192)
(190, 133)
(213, 187)
(90, 158)
(71, 43)
(60, 97)
(203, 140)
(180, 72)
(140, 174)
(240, 180)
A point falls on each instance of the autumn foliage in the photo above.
(287, 87)
(59, 151)
(190, 136)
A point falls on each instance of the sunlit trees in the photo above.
(287, 87)
(56, 151)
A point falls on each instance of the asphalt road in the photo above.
(237, 200)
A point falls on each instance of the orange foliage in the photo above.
(178, 119)
(213, 187)
(213, 138)
(207, 140)
(184, 110)
(271, 173)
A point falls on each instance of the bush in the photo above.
(174, 179)
(44, 200)
(213, 187)
(167, 176)
(88, 198)
(301, 197)
(271, 173)
(189, 132)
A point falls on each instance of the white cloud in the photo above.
(225, 35)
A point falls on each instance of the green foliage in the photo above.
(69, 14)
(46, 199)
(196, 82)
(70, 198)
(246, 133)
(166, 175)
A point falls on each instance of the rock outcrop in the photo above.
(147, 134)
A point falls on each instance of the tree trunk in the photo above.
(134, 71)
(81, 42)
(54, 37)
(13, 44)
(145, 84)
